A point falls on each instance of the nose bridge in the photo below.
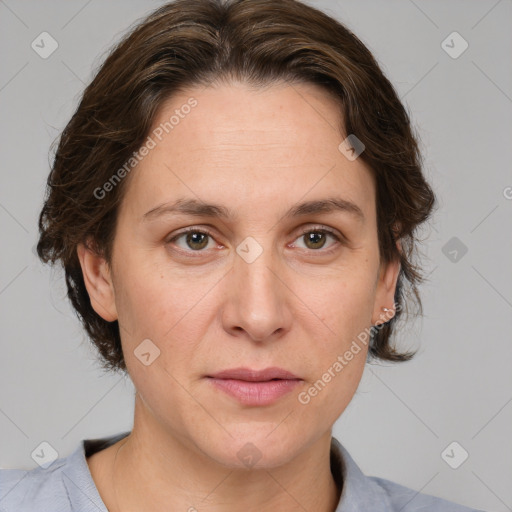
(256, 284)
(258, 302)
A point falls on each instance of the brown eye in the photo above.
(194, 240)
(316, 238)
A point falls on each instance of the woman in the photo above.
(235, 203)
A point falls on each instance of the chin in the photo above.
(251, 448)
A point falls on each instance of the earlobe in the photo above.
(98, 282)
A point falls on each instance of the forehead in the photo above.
(244, 146)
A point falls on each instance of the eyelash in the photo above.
(314, 229)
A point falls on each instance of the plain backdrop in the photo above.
(459, 386)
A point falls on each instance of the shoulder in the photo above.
(361, 492)
(27, 490)
(65, 485)
(408, 500)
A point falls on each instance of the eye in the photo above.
(193, 238)
(315, 238)
(196, 240)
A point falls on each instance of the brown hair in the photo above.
(197, 42)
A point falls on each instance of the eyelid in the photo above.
(340, 239)
(306, 229)
(321, 227)
(190, 229)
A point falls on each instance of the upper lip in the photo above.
(250, 375)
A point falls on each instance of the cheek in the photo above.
(150, 300)
(344, 305)
(325, 398)
(344, 299)
(169, 308)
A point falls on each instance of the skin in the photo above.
(298, 306)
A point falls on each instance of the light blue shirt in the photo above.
(67, 486)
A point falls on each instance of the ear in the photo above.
(98, 281)
(385, 290)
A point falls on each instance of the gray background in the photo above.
(458, 388)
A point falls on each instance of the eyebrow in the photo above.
(201, 209)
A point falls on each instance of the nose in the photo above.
(258, 302)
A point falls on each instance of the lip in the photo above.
(250, 375)
(255, 387)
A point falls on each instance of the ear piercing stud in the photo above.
(385, 310)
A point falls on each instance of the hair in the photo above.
(200, 42)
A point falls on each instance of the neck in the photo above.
(156, 470)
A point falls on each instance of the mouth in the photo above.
(255, 387)
(249, 375)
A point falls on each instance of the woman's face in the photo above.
(248, 288)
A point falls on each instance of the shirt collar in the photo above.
(359, 492)
(82, 491)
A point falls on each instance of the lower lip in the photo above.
(256, 393)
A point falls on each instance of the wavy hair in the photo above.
(198, 42)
